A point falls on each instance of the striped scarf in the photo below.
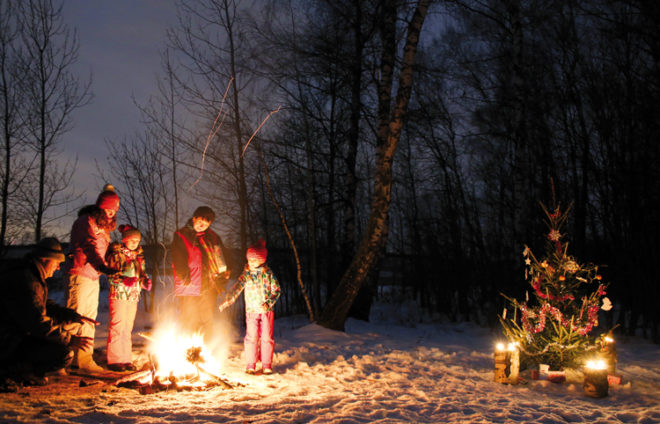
(216, 264)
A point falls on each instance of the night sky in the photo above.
(120, 41)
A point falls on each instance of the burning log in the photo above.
(136, 376)
(219, 380)
(148, 381)
(194, 356)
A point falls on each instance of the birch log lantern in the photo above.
(608, 350)
(507, 363)
(595, 378)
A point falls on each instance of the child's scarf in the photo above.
(213, 259)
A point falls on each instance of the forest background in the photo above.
(274, 112)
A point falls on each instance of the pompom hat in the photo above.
(108, 199)
(257, 251)
(128, 231)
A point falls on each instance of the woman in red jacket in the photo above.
(90, 237)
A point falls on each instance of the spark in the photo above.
(257, 130)
(214, 130)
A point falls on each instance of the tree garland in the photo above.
(528, 315)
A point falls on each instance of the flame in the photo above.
(170, 350)
(596, 364)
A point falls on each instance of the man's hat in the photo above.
(48, 248)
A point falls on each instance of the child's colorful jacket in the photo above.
(127, 284)
(261, 290)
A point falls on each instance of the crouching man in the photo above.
(32, 336)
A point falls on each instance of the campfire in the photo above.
(176, 363)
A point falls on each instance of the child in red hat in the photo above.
(261, 292)
(124, 296)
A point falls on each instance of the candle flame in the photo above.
(596, 364)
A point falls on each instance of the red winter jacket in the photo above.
(189, 268)
(89, 243)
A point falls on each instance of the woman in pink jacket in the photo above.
(90, 237)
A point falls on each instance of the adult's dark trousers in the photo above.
(36, 355)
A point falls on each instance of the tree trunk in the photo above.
(348, 243)
(389, 131)
(242, 188)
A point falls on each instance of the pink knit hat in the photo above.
(257, 251)
(108, 199)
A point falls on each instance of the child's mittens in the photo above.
(146, 284)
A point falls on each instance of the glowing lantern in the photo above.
(595, 378)
(608, 351)
(507, 363)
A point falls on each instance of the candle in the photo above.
(514, 362)
(507, 363)
(608, 349)
(501, 363)
(595, 378)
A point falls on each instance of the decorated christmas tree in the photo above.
(554, 325)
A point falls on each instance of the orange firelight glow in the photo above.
(172, 353)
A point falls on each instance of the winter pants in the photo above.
(259, 328)
(122, 317)
(83, 297)
(37, 356)
(196, 312)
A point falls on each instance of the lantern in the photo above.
(507, 363)
(595, 378)
(609, 354)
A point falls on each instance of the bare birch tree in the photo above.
(390, 124)
(52, 93)
(213, 54)
(15, 167)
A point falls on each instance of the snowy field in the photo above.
(373, 373)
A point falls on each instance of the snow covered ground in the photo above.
(375, 372)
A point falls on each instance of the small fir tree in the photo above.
(554, 326)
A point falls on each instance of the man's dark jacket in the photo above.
(26, 311)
